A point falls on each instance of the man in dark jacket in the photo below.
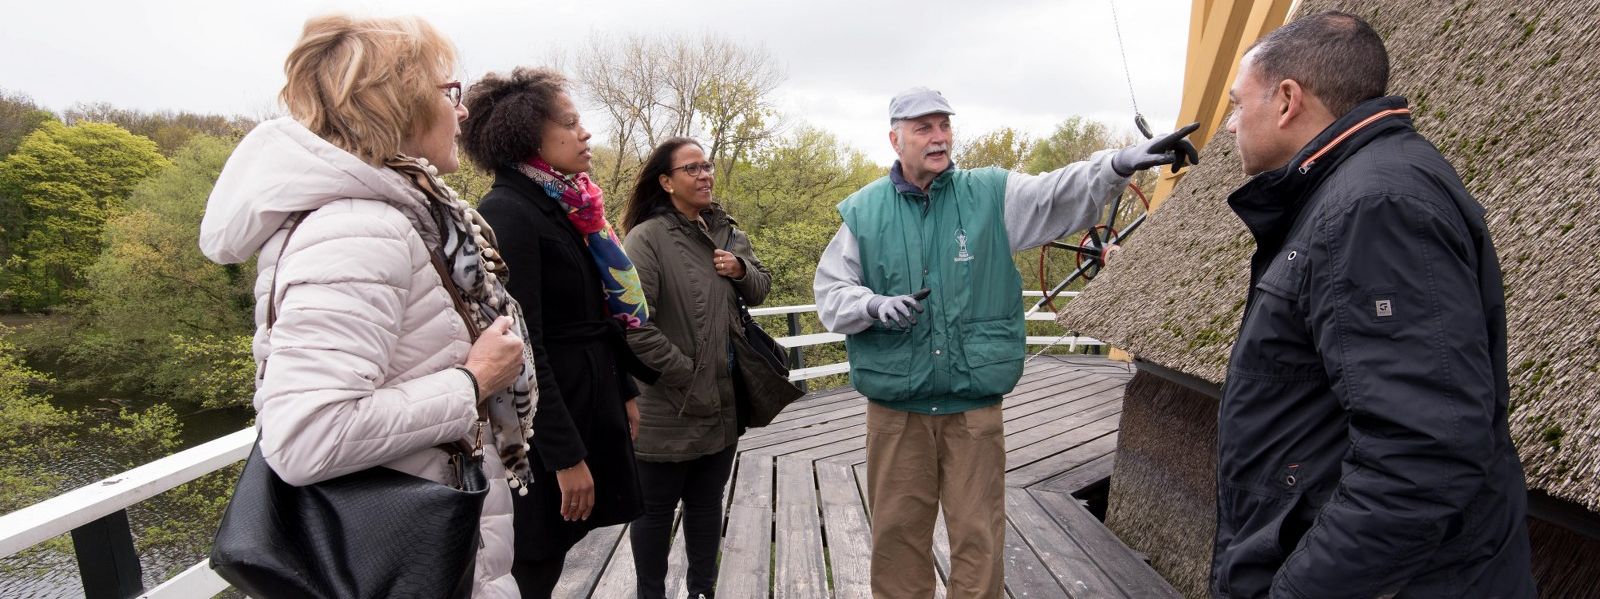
(1362, 441)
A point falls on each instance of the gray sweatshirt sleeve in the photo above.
(1042, 208)
(841, 298)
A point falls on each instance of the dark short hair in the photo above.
(507, 115)
(1334, 55)
(648, 198)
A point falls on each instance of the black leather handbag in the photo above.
(768, 348)
(374, 533)
(759, 396)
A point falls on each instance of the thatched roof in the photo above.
(1505, 89)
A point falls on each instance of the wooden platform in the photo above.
(797, 522)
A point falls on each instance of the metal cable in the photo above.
(1126, 72)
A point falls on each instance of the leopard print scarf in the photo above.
(468, 246)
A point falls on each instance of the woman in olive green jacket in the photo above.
(695, 266)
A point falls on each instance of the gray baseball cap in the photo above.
(917, 101)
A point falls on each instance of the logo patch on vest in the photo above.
(961, 240)
(1383, 308)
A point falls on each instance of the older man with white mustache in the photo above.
(935, 240)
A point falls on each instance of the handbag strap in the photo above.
(450, 287)
(455, 447)
(744, 311)
(272, 293)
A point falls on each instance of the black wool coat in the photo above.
(582, 363)
(1363, 447)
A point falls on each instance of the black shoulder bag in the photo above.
(759, 396)
(374, 533)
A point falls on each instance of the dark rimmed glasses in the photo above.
(695, 168)
(452, 90)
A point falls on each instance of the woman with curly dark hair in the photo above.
(580, 294)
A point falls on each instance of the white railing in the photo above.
(69, 511)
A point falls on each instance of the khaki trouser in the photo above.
(915, 464)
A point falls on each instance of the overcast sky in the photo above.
(1021, 63)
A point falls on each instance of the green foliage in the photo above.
(218, 371)
(65, 181)
(799, 177)
(180, 542)
(170, 130)
(1073, 140)
(470, 183)
(32, 432)
(141, 437)
(736, 118)
(172, 530)
(1006, 148)
(179, 323)
(151, 279)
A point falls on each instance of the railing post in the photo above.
(107, 561)
(797, 357)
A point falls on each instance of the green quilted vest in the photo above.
(967, 347)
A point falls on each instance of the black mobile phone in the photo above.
(922, 295)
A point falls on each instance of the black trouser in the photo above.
(698, 483)
(536, 579)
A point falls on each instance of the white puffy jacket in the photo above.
(358, 371)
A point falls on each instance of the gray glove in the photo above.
(1172, 149)
(897, 311)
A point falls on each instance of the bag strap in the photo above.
(449, 283)
(272, 293)
(744, 311)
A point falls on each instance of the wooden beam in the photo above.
(1219, 33)
(1226, 28)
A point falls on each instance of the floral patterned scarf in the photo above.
(585, 206)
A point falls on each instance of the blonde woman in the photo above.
(369, 361)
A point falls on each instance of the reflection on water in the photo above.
(50, 574)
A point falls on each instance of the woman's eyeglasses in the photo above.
(452, 90)
(695, 168)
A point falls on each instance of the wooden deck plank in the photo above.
(744, 570)
(1026, 574)
(1046, 426)
(1121, 564)
(844, 431)
(1061, 434)
(805, 427)
(1021, 404)
(849, 540)
(1074, 573)
(823, 408)
(1071, 458)
(588, 559)
(805, 412)
(618, 578)
(797, 555)
(798, 524)
(1081, 477)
